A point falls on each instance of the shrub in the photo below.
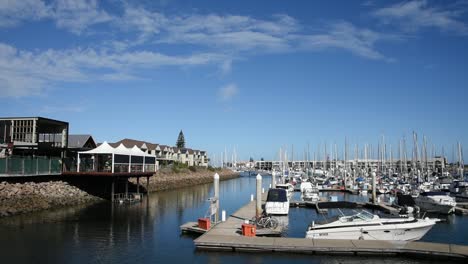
(175, 169)
(192, 168)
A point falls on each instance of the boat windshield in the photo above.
(364, 215)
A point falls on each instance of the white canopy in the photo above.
(122, 150)
(104, 148)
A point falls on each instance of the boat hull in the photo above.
(429, 205)
(404, 232)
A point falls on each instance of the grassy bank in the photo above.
(176, 177)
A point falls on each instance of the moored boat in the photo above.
(367, 226)
(277, 202)
(436, 202)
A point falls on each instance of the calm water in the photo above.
(149, 232)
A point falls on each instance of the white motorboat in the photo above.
(367, 226)
(309, 192)
(288, 187)
(436, 202)
(277, 202)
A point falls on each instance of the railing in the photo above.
(30, 166)
(88, 165)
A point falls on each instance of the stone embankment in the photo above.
(18, 198)
(167, 179)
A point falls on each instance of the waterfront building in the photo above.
(26, 136)
(167, 154)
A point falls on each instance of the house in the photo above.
(167, 154)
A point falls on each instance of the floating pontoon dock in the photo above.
(227, 236)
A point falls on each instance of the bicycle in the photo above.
(265, 221)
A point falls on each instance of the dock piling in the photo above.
(216, 194)
(273, 180)
(126, 187)
(138, 186)
(258, 211)
(112, 189)
(374, 193)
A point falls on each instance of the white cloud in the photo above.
(24, 73)
(73, 15)
(414, 15)
(215, 31)
(78, 15)
(226, 93)
(12, 12)
(344, 35)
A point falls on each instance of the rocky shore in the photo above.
(19, 198)
(167, 179)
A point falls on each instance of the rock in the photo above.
(28, 197)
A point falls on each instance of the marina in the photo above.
(227, 132)
(228, 236)
(111, 233)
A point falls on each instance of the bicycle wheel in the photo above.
(273, 223)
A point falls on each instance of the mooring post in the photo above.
(374, 187)
(216, 194)
(138, 186)
(258, 211)
(147, 185)
(273, 180)
(112, 189)
(126, 188)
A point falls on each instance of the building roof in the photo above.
(106, 148)
(74, 141)
(130, 143)
(78, 141)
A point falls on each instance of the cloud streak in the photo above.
(416, 15)
(346, 36)
(213, 39)
(24, 73)
(73, 15)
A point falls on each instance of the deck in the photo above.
(107, 174)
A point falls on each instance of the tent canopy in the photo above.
(105, 148)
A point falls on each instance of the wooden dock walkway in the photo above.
(227, 236)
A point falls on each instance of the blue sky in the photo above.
(255, 75)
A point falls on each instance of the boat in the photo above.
(309, 192)
(288, 187)
(367, 226)
(459, 189)
(436, 202)
(277, 202)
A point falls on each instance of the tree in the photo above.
(180, 140)
(251, 159)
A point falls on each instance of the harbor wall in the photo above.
(166, 179)
(19, 198)
(21, 195)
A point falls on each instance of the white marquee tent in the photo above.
(122, 158)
